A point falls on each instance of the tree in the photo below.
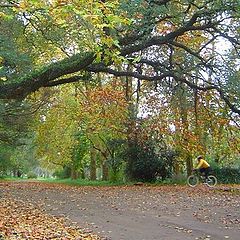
(16, 118)
(55, 128)
(77, 124)
(191, 123)
(103, 113)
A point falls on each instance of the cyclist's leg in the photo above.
(203, 174)
(207, 172)
(202, 171)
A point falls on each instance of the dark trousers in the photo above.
(205, 171)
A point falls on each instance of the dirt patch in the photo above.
(138, 212)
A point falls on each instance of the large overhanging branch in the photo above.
(65, 80)
(167, 74)
(101, 68)
(160, 40)
(32, 82)
(8, 5)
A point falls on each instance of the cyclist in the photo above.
(203, 166)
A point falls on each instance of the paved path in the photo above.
(139, 212)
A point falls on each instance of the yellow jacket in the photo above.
(202, 164)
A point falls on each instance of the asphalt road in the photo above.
(138, 212)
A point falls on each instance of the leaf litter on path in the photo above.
(21, 220)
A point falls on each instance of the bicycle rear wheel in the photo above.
(192, 180)
(211, 181)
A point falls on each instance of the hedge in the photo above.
(227, 175)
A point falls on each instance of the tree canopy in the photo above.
(47, 43)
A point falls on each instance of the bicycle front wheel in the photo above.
(211, 181)
(192, 180)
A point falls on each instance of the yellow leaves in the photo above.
(23, 5)
(165, 27)
(26, 5)
(62, 2)
(2, 15)
(1, 60)
(74, 25)
(193, 40)
(55, 133)
(60, 21)
(98, 111)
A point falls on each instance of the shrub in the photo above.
(227, 175)
(147, 163)
(165, 163)
(142, 162)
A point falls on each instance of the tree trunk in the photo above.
(132, 116)
(176, 168)
(185, 124)
(189, 164)
(82, 174)
(74, 173)
(105, 171)
(19, 174)
(93, 175)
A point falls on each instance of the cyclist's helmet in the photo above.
(199, 157)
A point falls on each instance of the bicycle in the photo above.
(194, 179)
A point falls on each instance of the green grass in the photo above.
(83, 182)
(8, 178)
(67, 181)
